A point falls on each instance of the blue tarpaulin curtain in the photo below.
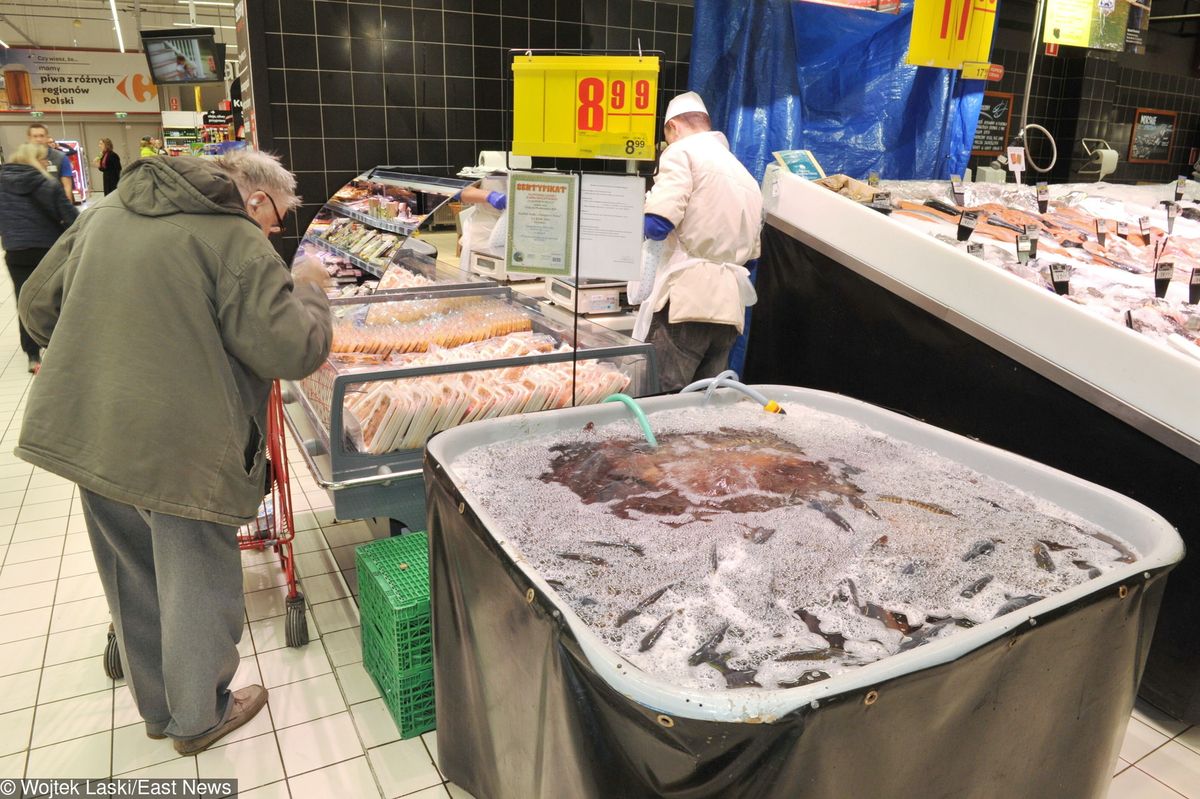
(785, 75)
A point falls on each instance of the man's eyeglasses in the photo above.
(280, 225)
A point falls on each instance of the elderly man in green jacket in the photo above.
(167, 313)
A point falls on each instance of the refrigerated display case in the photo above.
(369, 230)
(73, 151)
(891, 315)
(179, 141)
(409, 364)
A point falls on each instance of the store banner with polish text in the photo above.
(950, 33)
(76, 81)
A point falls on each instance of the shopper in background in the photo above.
(146, 149)
(167, 313)
(33, 214)
(109, 164)
(157, 144)
(702, 222)
(57, 164)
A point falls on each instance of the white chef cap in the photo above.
(685, 103)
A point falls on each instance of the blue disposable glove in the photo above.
(498, 200)
(657, 227)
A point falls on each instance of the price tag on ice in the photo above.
(1016, 161)
(1023, 248)
(1162, 277)
(1144, 224)
(1180, 187)
(1060, 278)
(1123, 229)
(1032, 232)
(1156, 241)
(1101, 230)
(975, 248)
(1172, 215)
(585, 106)
(956, 188)
(882, 200)
(1194, 287)
(1043, 196)
(967, 222)
(872, 178)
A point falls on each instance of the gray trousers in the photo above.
(688, 351)
(174, 589)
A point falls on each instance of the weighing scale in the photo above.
(594, 295)
(493, 266)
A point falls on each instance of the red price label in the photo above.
(592, 106)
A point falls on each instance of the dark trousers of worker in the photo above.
(688, 351)
(174, 589)
(21, 264)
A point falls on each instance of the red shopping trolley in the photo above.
(273, 527)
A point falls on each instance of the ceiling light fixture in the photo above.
(112, 4)
(3, 44)
(192, 25)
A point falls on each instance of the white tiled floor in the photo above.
(325, 731)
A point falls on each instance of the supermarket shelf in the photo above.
(354, 260)
(390, 225)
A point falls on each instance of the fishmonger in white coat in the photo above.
(702, 224)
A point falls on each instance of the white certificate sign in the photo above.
(542, 215)
(610, 226)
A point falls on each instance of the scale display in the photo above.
(585, 106)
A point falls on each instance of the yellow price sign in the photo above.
(947, 33)
(585, 106)
(975, 70)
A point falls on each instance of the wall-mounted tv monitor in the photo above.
(184, 55)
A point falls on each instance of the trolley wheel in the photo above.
(296, 633)
(112, 656)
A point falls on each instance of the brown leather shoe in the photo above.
(246, 704)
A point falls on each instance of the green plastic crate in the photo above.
(393, 585)
(409, 697)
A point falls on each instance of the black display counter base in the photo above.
(822, 325)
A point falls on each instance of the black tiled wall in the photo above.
(1094, 93)
(421, 84)
(1054, 102)
(1131, 89)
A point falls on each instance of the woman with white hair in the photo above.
(34, 212)
(168, 314)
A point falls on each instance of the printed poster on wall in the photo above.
(1152, 136)
(995, 118)
(1138, 26)
(76, 81)
(1098, 24)
(542, 219)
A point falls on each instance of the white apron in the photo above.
(677, 264)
